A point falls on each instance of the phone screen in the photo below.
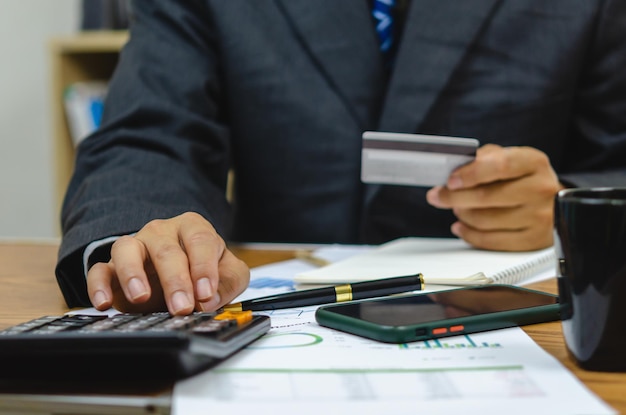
(442, 305)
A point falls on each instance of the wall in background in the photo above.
(26, 184)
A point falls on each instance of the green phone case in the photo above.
(404, 333)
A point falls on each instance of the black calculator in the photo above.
(155, 346)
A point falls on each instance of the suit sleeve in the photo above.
(596, 155)
(163, 146)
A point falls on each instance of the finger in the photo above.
(234, 278)
(516, 218)
(493, 219)
(527, 239)
(128, 256)
(204, 248)
(102, 279)
(155, 303)
(495, 195)
(433, 197)
(170, 262)
(531, 189)
(99, 285)
(495, 163)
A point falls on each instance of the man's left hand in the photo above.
(503, 199)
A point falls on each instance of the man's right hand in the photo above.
(179, 265)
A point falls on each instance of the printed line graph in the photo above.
(457, 342)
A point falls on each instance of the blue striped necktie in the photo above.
(383, 14)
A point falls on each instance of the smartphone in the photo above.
(424, 316)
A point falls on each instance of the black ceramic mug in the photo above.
(590, 239)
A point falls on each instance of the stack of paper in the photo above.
(441, 261)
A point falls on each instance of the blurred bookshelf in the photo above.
(85, 57)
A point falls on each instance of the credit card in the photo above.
(413, 159)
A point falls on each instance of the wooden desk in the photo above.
(29, 290)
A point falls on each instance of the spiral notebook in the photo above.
(442, 261)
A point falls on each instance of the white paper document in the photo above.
(302, 368)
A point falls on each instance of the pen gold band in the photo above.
(421, 277)
(343, 293)
(233, 307)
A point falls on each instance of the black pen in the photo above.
(334, 294)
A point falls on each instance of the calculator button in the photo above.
(213, 327)
(455, 329)
(109, 323)
(174, 323)
(76, 321)
(49, 329)
(440, 330)
(28, 326)
(241, 317)
(142, 322)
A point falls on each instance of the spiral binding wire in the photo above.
(524, 270)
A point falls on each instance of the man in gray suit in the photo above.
(280, 92)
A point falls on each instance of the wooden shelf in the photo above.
(85, 56)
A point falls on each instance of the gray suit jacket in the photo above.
(281, 90)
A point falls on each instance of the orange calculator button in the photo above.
(240, 317)
(454, 329)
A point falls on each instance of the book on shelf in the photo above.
(442, 261)
(84, 102)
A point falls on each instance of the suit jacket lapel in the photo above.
(340, 37)
(436, 36)
(342, 41)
